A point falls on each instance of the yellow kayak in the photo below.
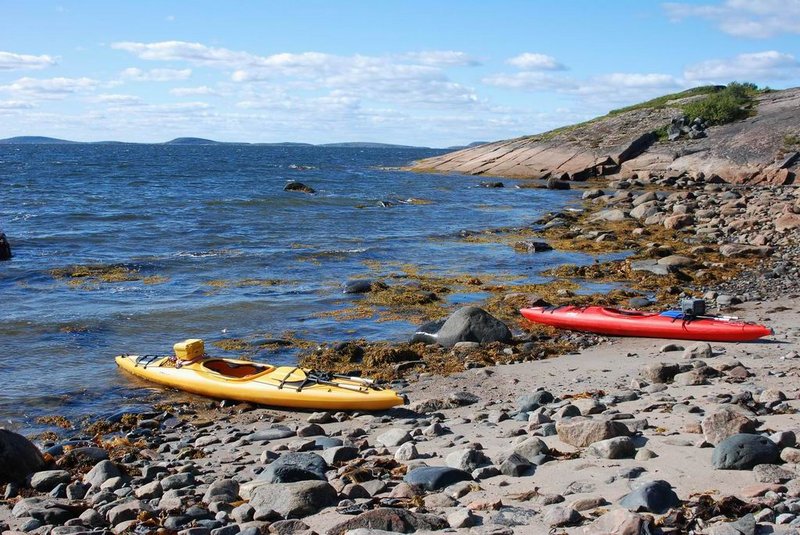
(283, 386)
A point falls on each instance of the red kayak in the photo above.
(669, 324)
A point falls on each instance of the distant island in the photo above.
(42, 140)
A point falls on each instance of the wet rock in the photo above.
(593, 193)
(360, 286)
(554, 183)
(472, 324)
(612, 448)
(391, 520)
(295, 466)
(5, 248)
(294, 500)
(743, 452)
(652, 497)
(435, 477)
(725, 422)
(298, 186)
(581, 432)
(18, 457)
(491, 185)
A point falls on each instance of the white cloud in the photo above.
(184, 51)
(531, 81)
(15, 105)
(530, 61)
(744, 18)
(12, 61)
(155, 75)
(755, 67)
(441, 58)
(50, 88)
(119, 100)
(202, 90)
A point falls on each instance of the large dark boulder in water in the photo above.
(472, 324)
(298, 186)
(5, 247)
(18, 457)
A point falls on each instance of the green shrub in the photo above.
(725, 106)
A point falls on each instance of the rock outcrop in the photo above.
(758, 149)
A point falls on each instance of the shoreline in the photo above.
(609, 381)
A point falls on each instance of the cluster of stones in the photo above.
(681, 126)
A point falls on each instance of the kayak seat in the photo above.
(232, 369)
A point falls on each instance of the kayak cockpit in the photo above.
(236, 370)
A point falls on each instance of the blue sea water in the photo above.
(196, 214)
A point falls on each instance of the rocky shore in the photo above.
(626, 436)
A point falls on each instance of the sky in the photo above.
(429, 73)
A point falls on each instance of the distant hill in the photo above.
(192, 141)
(368, 145)
(34, 140)
(473, 144)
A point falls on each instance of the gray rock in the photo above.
(46, 510)
(612, 448)
(339, 454)
(772, 473)
(516, 466)
(178, 481)
(700, 350)
(288, 527)
(561, 515)
(406, 452)
(472, 324)
(275, 432)
(127, 511)
(462, 518)
(47, 480)
(651, 266)
(295, 466)
(530, 402)
(467, 459)
(531, 448)
(743, 452)
(18, 457)
(514, 516)
(659, 372)
(149, 491)
(435, 477)
(295, 500)
(394, 437)
(359, 286)
(652, 497)
(621, 522)
(100, 473)
(222, 490)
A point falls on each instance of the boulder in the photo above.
(612, 448)
(5, 248)
(294, 500)
(435, 477)
(743, 451)
(621, 522)
(651, 497)
(472, 324)
(18, 457)
(298, 186)
(554, 183)
(530, 402)
(725, 422)
(516, 466)
(390, 520)
(359, 286)
(295, 466)
(581, 432)
(427, 332)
